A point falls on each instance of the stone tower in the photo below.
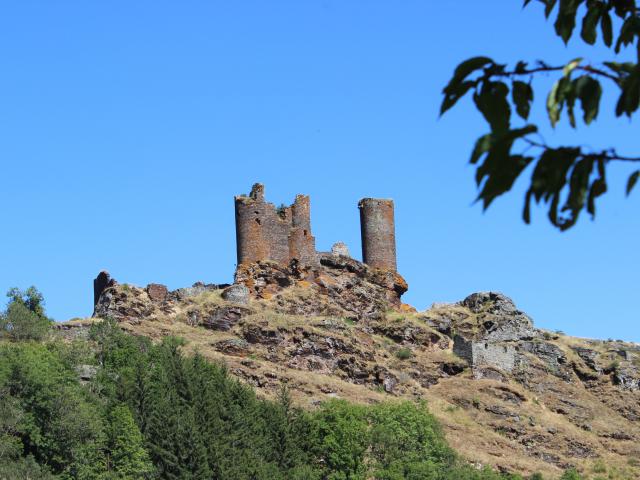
(378, 233)
(264, 232)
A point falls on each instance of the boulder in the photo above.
(237, 293)
(157, 292)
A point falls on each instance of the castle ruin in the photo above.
(378, 233)
(282, 235)
(264, 232)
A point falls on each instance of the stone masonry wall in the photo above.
(485, 354)
(378, 233)
(266, 233)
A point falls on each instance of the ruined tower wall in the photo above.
(250, 241)
(266, 233)
(302, 244)
(377, 227)
(301, 212)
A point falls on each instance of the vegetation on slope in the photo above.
(147, 411)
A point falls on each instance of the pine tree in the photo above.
(129, 459)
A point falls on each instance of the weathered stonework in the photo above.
(378, 233)
(340, 248)
(485, 354)
(280, 235)
(100, 284)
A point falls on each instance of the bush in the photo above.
(404, 353)
(571, 474)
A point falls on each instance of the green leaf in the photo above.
(492, 103)
(607, 28)
(453, 93)
(589, 91)
(624, 68)
(570, 67)
(623, 7)
(467, 67)
(482, 146)
(521, 67)
(633, 178)
(502, 177)
(567, 94)
(630, 28)
(549, 4)
(598, 187)
(526, 213)
(566, 19)
(500, 168)
(578, 190)
(457, 86)
(549, 176)
(522, 95)
(549, 179)
(553, 106)
(629, 100)
(590, 22)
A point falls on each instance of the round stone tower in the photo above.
(377, 227)
(250, 212)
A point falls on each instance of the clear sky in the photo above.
(126, 128)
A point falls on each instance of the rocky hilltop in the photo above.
(508, 394)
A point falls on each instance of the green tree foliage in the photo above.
(31, 298)
(128, 460)
(567, 179)
(24, 318)
(406, 442)
(342, 437)
(152, 412)
(53, 418)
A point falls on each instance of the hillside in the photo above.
(508, 394)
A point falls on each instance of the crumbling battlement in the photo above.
(281, 235)
(264, 232)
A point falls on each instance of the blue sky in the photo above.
(126, 128)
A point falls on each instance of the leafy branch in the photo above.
(568, 179)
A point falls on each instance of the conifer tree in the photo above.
(128, 458)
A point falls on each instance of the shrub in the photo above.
(404, 353)
(571, 474)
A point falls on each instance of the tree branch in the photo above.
(546, 68)
(607, 155)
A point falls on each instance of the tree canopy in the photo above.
(567, 179)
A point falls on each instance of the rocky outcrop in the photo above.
(340, 330)
(102, 281)
(340, 286)
(498, 318)
(627, 377)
